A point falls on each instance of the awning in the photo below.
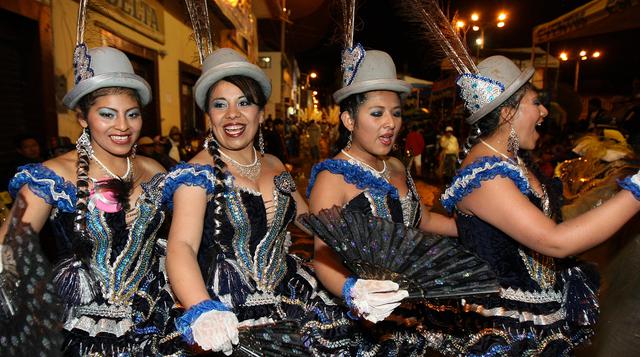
(593, 18)
(417, 82)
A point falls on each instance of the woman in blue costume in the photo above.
(104, 204)
(508, 215)
(227, 255)
(362, 177)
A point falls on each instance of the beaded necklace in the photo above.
(110, 173)
(384, 173)
(250, 171)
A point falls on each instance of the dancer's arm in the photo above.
(185, 234)
(500, 203)
(327, 193)
(437, 223)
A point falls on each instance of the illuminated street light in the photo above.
(313, 75)
(315, 92)
(583, 55)
(479, 26)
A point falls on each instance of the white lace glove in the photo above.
(216, 331)
(211, 325)
(373, 300)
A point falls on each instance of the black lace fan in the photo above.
(30, 312)
(280, 338)
(428, 266)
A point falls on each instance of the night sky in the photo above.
(378, 26)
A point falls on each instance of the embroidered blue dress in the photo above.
(401, 334)
(546, 306)
(244, 262)
(123, 254)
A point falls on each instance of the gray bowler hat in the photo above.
(225, 62)
(375, 71)
(497, 80)
(103, 67)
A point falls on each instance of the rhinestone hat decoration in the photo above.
(81, 63)
(351, 60)
(477, 90)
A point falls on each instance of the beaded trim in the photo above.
(351, 60)
(632, 184)
(190, 175)
(521, 316)
(483, 169)
(477, 90)
(533, 297)
(46, 184)
(81, 63)
(99, 326)
(355, 175)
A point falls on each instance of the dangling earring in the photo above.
(348, 146)
(84, 142)
(208, 141)
(513, 143)
(134, 148)
(260, 141)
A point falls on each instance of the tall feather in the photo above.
(348, 8)
(199, 14)
(82, 11)
(438, 29)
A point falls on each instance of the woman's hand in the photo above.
(216, 331)
(373, 300)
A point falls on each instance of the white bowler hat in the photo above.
(103, 67)
(497, 80)
(225, 62)
(369, 71)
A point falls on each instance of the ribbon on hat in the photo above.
(81, 63)
(478, 91)
(351, 60)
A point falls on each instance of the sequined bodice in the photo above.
(378, 197)
(121, 252)
(238, 231)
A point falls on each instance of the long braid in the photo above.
(74, 279)
(218, 197)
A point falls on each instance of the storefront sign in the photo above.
(144, 16)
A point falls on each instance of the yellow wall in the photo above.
(178, 46)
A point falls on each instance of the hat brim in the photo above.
(523, 78)
(394, 85)
(120, 79)
(221, 71)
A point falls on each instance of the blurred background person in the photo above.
(415, 145)
(449, 149)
